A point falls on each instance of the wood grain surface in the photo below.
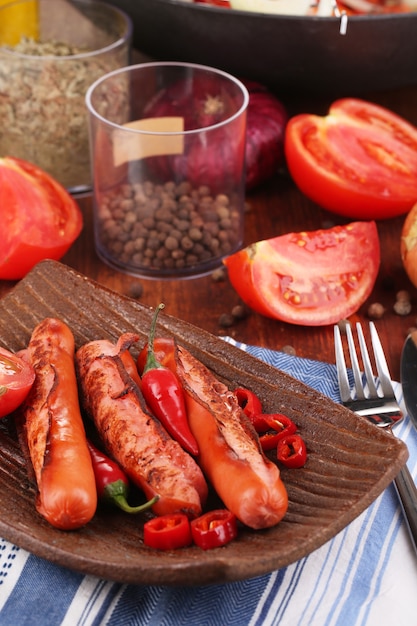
(350, 462)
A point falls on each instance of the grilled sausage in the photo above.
(54, 432)
(248, 483)
(132, 435)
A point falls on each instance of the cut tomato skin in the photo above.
(16, 379)
(359, 161)
(40, 220)
(311, 278)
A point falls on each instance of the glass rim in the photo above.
(139, 66)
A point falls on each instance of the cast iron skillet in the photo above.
(289, 54)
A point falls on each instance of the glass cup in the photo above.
(167, 145)
(51, 51)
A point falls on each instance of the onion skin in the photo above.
(266, 122)
(408, 245)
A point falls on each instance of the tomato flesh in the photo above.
(16, 379)
(39, 218)
(359, 161)
(311, 278)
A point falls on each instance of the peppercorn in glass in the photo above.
(168, 156)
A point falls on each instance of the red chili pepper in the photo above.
(165, 397)
(273, 427)
(164, 350)
(214, 529)
(248, 401)
(111, 482)
(167, 532)
(292, 451)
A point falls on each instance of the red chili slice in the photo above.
(167, 532)
(248, 401)
(292, 451)
(272, 427)
(214, 529)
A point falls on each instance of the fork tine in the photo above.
(342, 377)
(355, 364)
(370, 378)
(381, 363)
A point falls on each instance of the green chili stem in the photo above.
(151, 361)
(116, 493)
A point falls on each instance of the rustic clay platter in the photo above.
(350, 461)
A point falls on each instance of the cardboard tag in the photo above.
(132, 146)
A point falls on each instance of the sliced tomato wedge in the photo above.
(40, 220)
(359, 161)
(309, 278)
(16, 379)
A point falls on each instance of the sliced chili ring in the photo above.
(214, 529)
(167, 532)
(273, 427)
(248, 401)
(292, 451)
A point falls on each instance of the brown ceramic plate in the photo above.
(350, 462)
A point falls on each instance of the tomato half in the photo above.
(359, 161)
(16, 379)
(310, 278)
(40, 220)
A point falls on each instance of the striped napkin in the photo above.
(366, 575)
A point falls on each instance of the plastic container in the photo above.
(168, 155)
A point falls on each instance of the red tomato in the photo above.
(311, 278)
(16, 379)
(40, 220)
(359, 161)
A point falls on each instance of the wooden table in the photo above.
(275, 208)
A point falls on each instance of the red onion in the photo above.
(206, 105)
(266, 122)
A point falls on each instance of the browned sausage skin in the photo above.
(132, 436)
(248, 483)
(54, 431)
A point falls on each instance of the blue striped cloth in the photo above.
(366, 575)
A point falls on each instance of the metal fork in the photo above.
(381, 409)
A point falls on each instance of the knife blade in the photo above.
(404, 482)
(408, 372)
